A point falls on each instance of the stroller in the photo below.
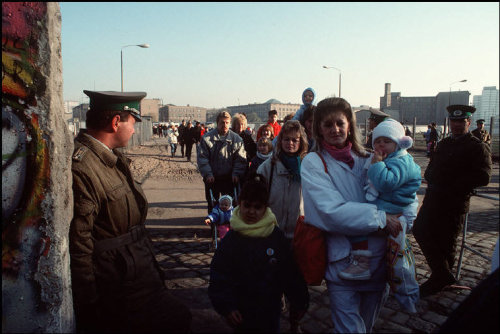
(213, 228)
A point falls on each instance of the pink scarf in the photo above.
(340, 154)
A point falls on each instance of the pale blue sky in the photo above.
(223, 54)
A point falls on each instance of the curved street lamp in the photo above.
(340, 76)
(449, 96)
(121, 55)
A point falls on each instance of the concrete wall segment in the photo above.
(36, 166)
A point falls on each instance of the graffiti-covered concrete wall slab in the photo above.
(36, 172)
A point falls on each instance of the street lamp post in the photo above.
(121, 55)
(340, 76)
(449, 96)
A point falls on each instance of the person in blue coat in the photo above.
(308, 98)
(393, 181)
(253, 266)
(221, 215)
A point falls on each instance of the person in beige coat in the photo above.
(282, 171)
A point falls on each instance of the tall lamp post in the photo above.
(340, 76)
(121, 55)
(449, 96)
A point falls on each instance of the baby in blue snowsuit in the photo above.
(393, 181)
(221, 214)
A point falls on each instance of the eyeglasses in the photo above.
(293, 140)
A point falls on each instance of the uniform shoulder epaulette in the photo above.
(80, 153)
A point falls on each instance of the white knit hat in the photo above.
(392, 129)
(226, 197)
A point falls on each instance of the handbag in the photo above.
(309, 248)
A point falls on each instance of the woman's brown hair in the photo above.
(292, 126)
(332, 105)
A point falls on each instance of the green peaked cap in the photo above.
(119, 101)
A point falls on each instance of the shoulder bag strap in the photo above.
(324, 162)
(271, 177)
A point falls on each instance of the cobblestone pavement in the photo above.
(182, 246)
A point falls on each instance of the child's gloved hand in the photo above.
(207, 221)
(234, 318)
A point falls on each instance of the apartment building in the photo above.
(171, 113)
(425, 109)
(151, 107)
(261, 110)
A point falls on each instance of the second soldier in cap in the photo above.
(376, 117)
(460, 163)
(481, 133)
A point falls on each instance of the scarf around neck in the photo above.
(292, 163)
(264, 156)
(261, 229)
(340, 154)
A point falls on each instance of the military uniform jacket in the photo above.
(457, 167)
(482, 135)
(107, 204)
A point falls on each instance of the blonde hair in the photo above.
(238, 119)
(222, 115)
(330, 106)
(291, 126)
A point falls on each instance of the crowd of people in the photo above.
(367, 193)
(318, 170)
(185, 135)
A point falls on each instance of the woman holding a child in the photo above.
(333, 183)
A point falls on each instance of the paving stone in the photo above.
(392, 327)
(420, 325)
(400, 318)
(434, 318)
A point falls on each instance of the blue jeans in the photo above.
(173, 148)
(355, 311)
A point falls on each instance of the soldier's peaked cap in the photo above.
(377, 114)
(116, 101)
(460, 111)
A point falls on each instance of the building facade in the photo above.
(171, 113)
(150, 107)
(80, 116)
(68, 110)
(425, 109)
(212, 114)
(487, 107)
(258, 112)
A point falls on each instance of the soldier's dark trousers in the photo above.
(436, 232)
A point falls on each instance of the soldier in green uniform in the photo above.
(376, 117)
(118, 286)
(460, 163)
(481, 133)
